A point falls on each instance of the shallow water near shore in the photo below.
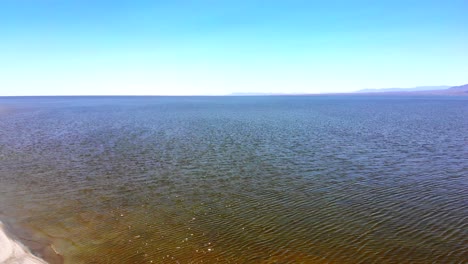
(325, 179)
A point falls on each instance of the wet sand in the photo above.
(11, 251)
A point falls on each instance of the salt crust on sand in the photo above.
(12, 252)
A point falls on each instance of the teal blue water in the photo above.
(274, 179)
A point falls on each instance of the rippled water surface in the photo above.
(323, 179)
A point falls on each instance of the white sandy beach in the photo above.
(13, 252)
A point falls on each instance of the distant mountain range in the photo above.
(455, 90)
(429, 90)
(414, 89)
(420, 90)
(461, 88)
(258, 94)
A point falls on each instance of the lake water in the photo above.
(322, 179)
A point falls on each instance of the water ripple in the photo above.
(239, 180)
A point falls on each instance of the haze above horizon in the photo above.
(104, 47)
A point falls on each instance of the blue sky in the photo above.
(60, 47)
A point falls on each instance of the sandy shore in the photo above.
(13, 252)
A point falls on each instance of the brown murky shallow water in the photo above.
(237, 179)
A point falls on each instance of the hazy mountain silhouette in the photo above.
(413, 89)
(454, 90)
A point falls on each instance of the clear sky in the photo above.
(92, 47)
